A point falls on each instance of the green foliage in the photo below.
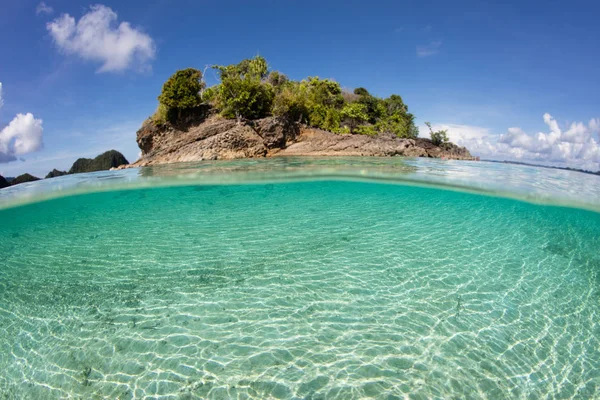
(325, 92)
(244, 98)
(277, 79)
(361, 91)
(209, 95)
(292, 101)
(182, 89)
(249, 90)
(366, 130)
(395, 105)
(395, 118)
(323, 117)
(437, 137)
(160, 116)
(242, 93)
(354, 114)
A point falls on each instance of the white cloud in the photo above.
(1, 98)
(577, 146)
(23, 135)
(97, 37)
(43, 8)
(429, 50)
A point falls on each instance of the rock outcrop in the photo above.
(54, 173)
(24, 178)
(218, 138)
(3, 182)
(105, 161)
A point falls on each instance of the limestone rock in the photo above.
(217, 138)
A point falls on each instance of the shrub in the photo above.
(354, 114)
(366, 130)
(245, 98)
(437, 137)
(182, 89)
(291, 101)
(241, 93)
(277, 79)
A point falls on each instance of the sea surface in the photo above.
(302, 278)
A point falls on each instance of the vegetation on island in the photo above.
(250, 90)
(103, 162)
(437, 137)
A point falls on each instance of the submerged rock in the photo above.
(104, 162)
(218, 138)
(54, 173)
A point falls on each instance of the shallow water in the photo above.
(311, 289)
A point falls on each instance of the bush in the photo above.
(277, 79)
(182, 89)
(354, 114)
(160, 116)
(245, 98)
(242, 93)
(366, 130)
(291, 102)
(438, 137)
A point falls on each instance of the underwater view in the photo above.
(302, 279)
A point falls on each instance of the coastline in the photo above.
(217, 138)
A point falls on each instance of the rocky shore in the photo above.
(218, 138)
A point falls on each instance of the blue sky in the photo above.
(510, 79)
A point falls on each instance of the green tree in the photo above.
(180, 92)
(323, 91)
(361, 91)
(277, 80)
(291, 101)
(354, 114)
(242, 92)
(182, 89)
(437, 137)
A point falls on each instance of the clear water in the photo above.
(159, 286)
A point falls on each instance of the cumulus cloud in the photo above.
(23, 135)
(576, 145)
(43, 8)
(429, 50)
(97, 37)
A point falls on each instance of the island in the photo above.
(105, 161)
(255, 112)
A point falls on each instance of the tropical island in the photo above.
(105, 161)
(255, 112)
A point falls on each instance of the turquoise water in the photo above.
(303, 289)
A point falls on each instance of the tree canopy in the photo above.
(250, 90)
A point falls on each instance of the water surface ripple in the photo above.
(298, 290)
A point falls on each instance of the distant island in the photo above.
(254, 112)
(545, 166)
(105, 161)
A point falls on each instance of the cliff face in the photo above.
(3, 182)
(218, 138)
(105, 161)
